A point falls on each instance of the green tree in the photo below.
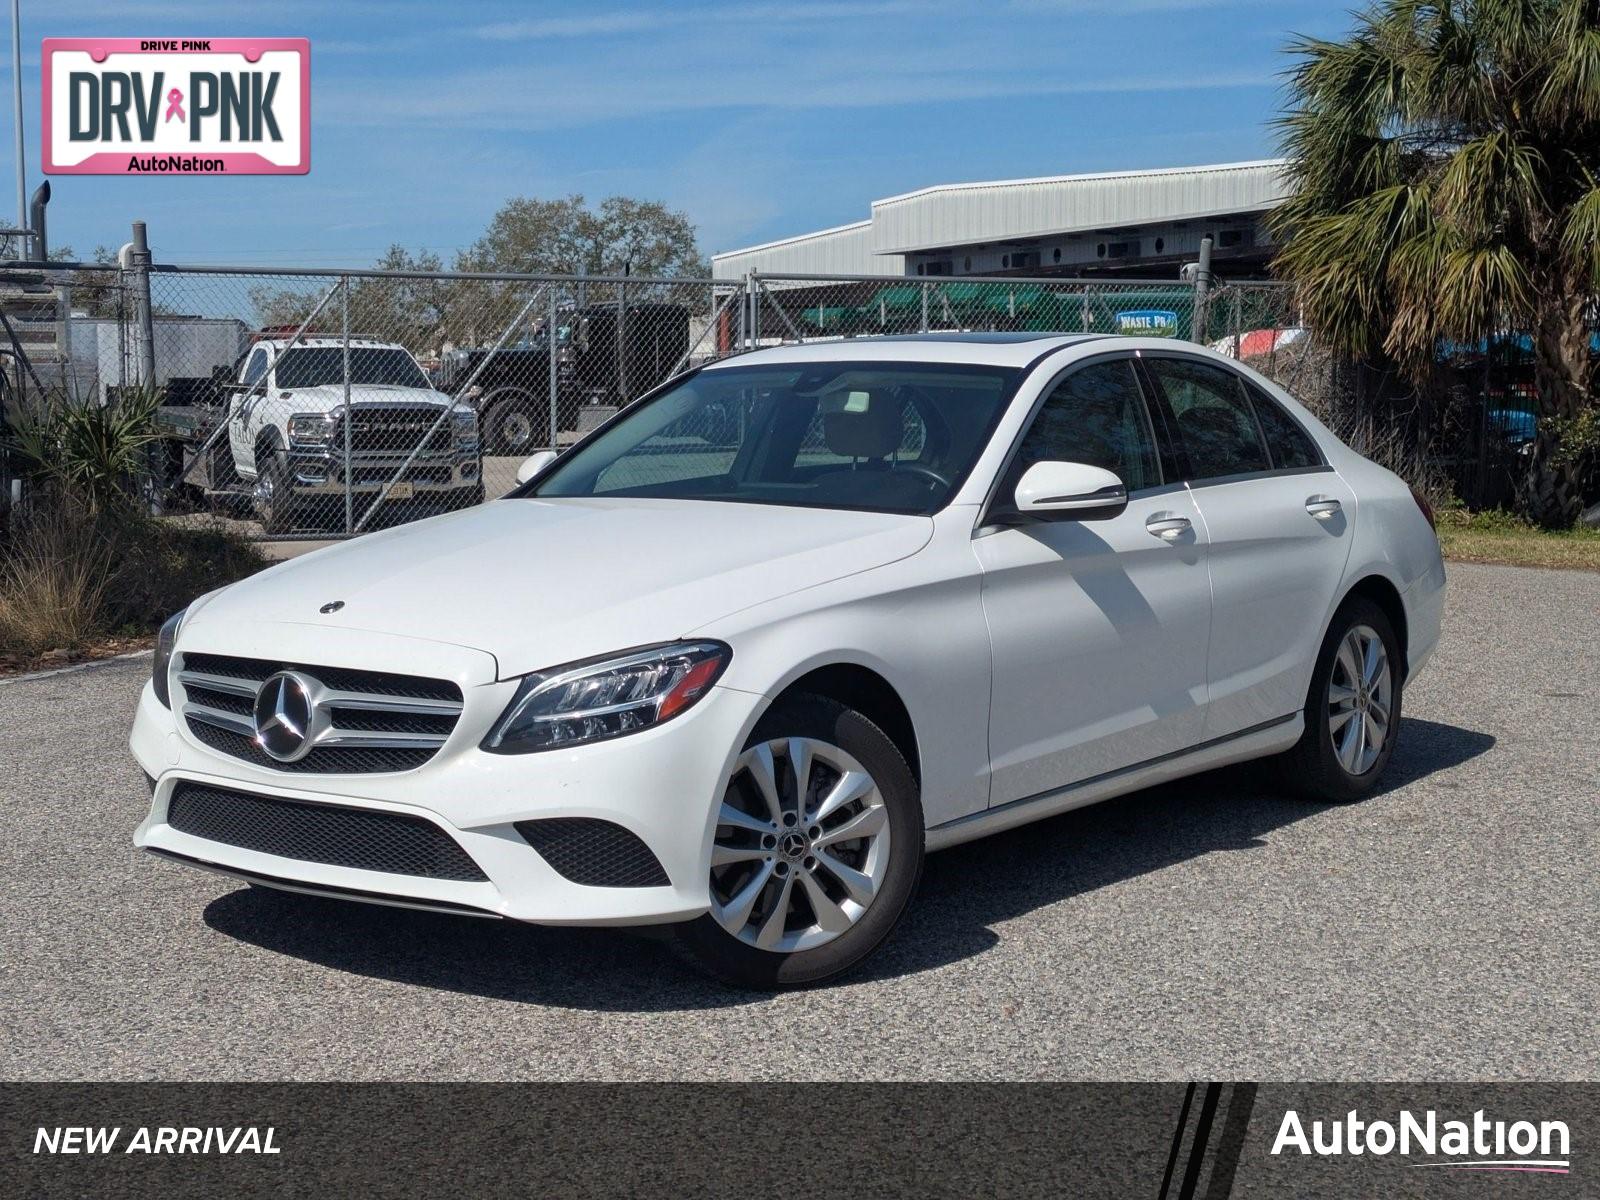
(567, 237)
(410, 309)
(96, 289)
(1445, 158)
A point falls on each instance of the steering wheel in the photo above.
(927, 472)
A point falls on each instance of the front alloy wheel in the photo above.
(816, 849)
(802, 845)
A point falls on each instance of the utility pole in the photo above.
(144, 323)
(16, 112)
(1202, 291)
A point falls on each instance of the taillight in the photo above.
(1427, 509)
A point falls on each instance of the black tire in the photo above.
(1311, 767)
(514, 424)
(273, 495)
(733, 961)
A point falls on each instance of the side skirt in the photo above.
(1258, 741)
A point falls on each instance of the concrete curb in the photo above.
(74, 668)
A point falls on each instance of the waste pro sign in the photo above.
(169, 106)
(1148, 322)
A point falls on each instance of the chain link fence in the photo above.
(324, 403)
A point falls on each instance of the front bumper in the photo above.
(662, 785)
(319, 473)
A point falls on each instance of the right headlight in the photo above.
(161, 665)
(311, 429)
(606, 698)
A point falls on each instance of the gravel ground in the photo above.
(1445, 929)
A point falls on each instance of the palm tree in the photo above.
(1445, 158)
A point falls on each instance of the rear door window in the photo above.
(1215, 421)
(1291, 447)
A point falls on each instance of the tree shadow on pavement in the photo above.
(965, 892)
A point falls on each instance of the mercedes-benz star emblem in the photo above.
(284, 714)
(332, 606)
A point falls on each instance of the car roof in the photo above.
(978, 349)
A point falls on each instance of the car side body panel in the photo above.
(918, 623)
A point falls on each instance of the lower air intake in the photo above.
(594, 853)
(393, 843)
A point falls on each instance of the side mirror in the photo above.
(1070, 491)
(533, 464)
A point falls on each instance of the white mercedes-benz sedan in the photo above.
(737, 660)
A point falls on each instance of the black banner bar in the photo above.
(1205, 1141)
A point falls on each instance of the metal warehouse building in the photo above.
(1124, 224)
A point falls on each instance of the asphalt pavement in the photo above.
(1445, 929)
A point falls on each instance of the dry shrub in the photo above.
(69, 575)
(53, 577)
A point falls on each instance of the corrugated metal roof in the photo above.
(842, 250)
(967, 214)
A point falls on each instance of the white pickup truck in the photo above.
(288, 424)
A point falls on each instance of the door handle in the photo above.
(1322, 507)
(1167, 527)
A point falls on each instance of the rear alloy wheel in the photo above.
(1360, 696)
(816, 850)
(1353, 711)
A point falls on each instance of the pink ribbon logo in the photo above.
(175, 105)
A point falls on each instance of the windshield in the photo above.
(887, 437)
(311, 366)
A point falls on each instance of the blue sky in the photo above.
(760, 119)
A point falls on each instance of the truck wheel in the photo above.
(515, 425)
(274, 496)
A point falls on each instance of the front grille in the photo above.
(321, 833)
(376, 720)
(592, 852)
(395, 431)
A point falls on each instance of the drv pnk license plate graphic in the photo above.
(170, 106)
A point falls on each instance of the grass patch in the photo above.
(70, 579)
(1498, 537)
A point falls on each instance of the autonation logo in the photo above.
(1480, 1144)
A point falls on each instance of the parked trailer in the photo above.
(96, 353)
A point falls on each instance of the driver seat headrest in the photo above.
(861, 424)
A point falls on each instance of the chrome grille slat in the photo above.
(391, 741)
(397, 725)
(390, 704)
(217, 683)
(222, 720)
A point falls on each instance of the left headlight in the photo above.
(162, 663)
(606, 698)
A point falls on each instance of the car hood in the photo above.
(537, 583)
(325, 397)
